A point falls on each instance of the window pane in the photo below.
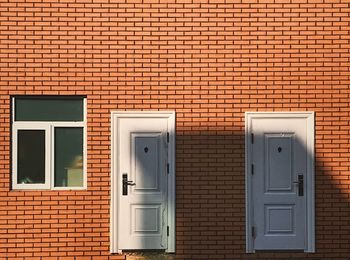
(49, 109)
(68, 156)
(31, 156)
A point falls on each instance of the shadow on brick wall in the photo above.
(210, 201)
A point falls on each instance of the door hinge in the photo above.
(167, 230)
(252, 169)
(252, 138)
(167, 137)
(253, 231)
(167, 168)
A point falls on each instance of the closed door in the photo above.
(279, 168)
(142, 170)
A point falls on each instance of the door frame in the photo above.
(310, 184)
(114, 215)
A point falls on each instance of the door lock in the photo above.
(126, 183)
(300, 183)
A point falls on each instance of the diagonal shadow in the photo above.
(210, 201)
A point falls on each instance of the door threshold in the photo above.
(148, 255)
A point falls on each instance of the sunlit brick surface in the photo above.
(210, 61)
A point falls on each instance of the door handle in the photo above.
(126, 183)
(300, 183)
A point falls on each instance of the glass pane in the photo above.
(68, 157)
(31, 156)
(48, 109)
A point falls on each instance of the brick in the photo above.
(211, 62)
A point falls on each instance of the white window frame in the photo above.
(39, 127)
(49, 127)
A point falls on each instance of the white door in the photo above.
(142, 169)
(279, 159)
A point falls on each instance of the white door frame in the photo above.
(310, 187)
(115, 116)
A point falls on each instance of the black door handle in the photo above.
(126, 183)
(300, 183)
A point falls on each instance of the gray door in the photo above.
(279, 166)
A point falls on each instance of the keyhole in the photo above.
(146, 149)
(279, 149)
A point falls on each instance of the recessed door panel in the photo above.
(146, 219)
(146, 163)
(279, 162)
(279, 219)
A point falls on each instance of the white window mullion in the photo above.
(51, 156)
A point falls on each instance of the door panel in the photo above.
(143, 211)
(279, 219)
(279, 156)
(146, 163)
(146, 219)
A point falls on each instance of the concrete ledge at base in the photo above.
(149, 256)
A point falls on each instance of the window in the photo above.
(48, 143)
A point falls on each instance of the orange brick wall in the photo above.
(210, 61)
